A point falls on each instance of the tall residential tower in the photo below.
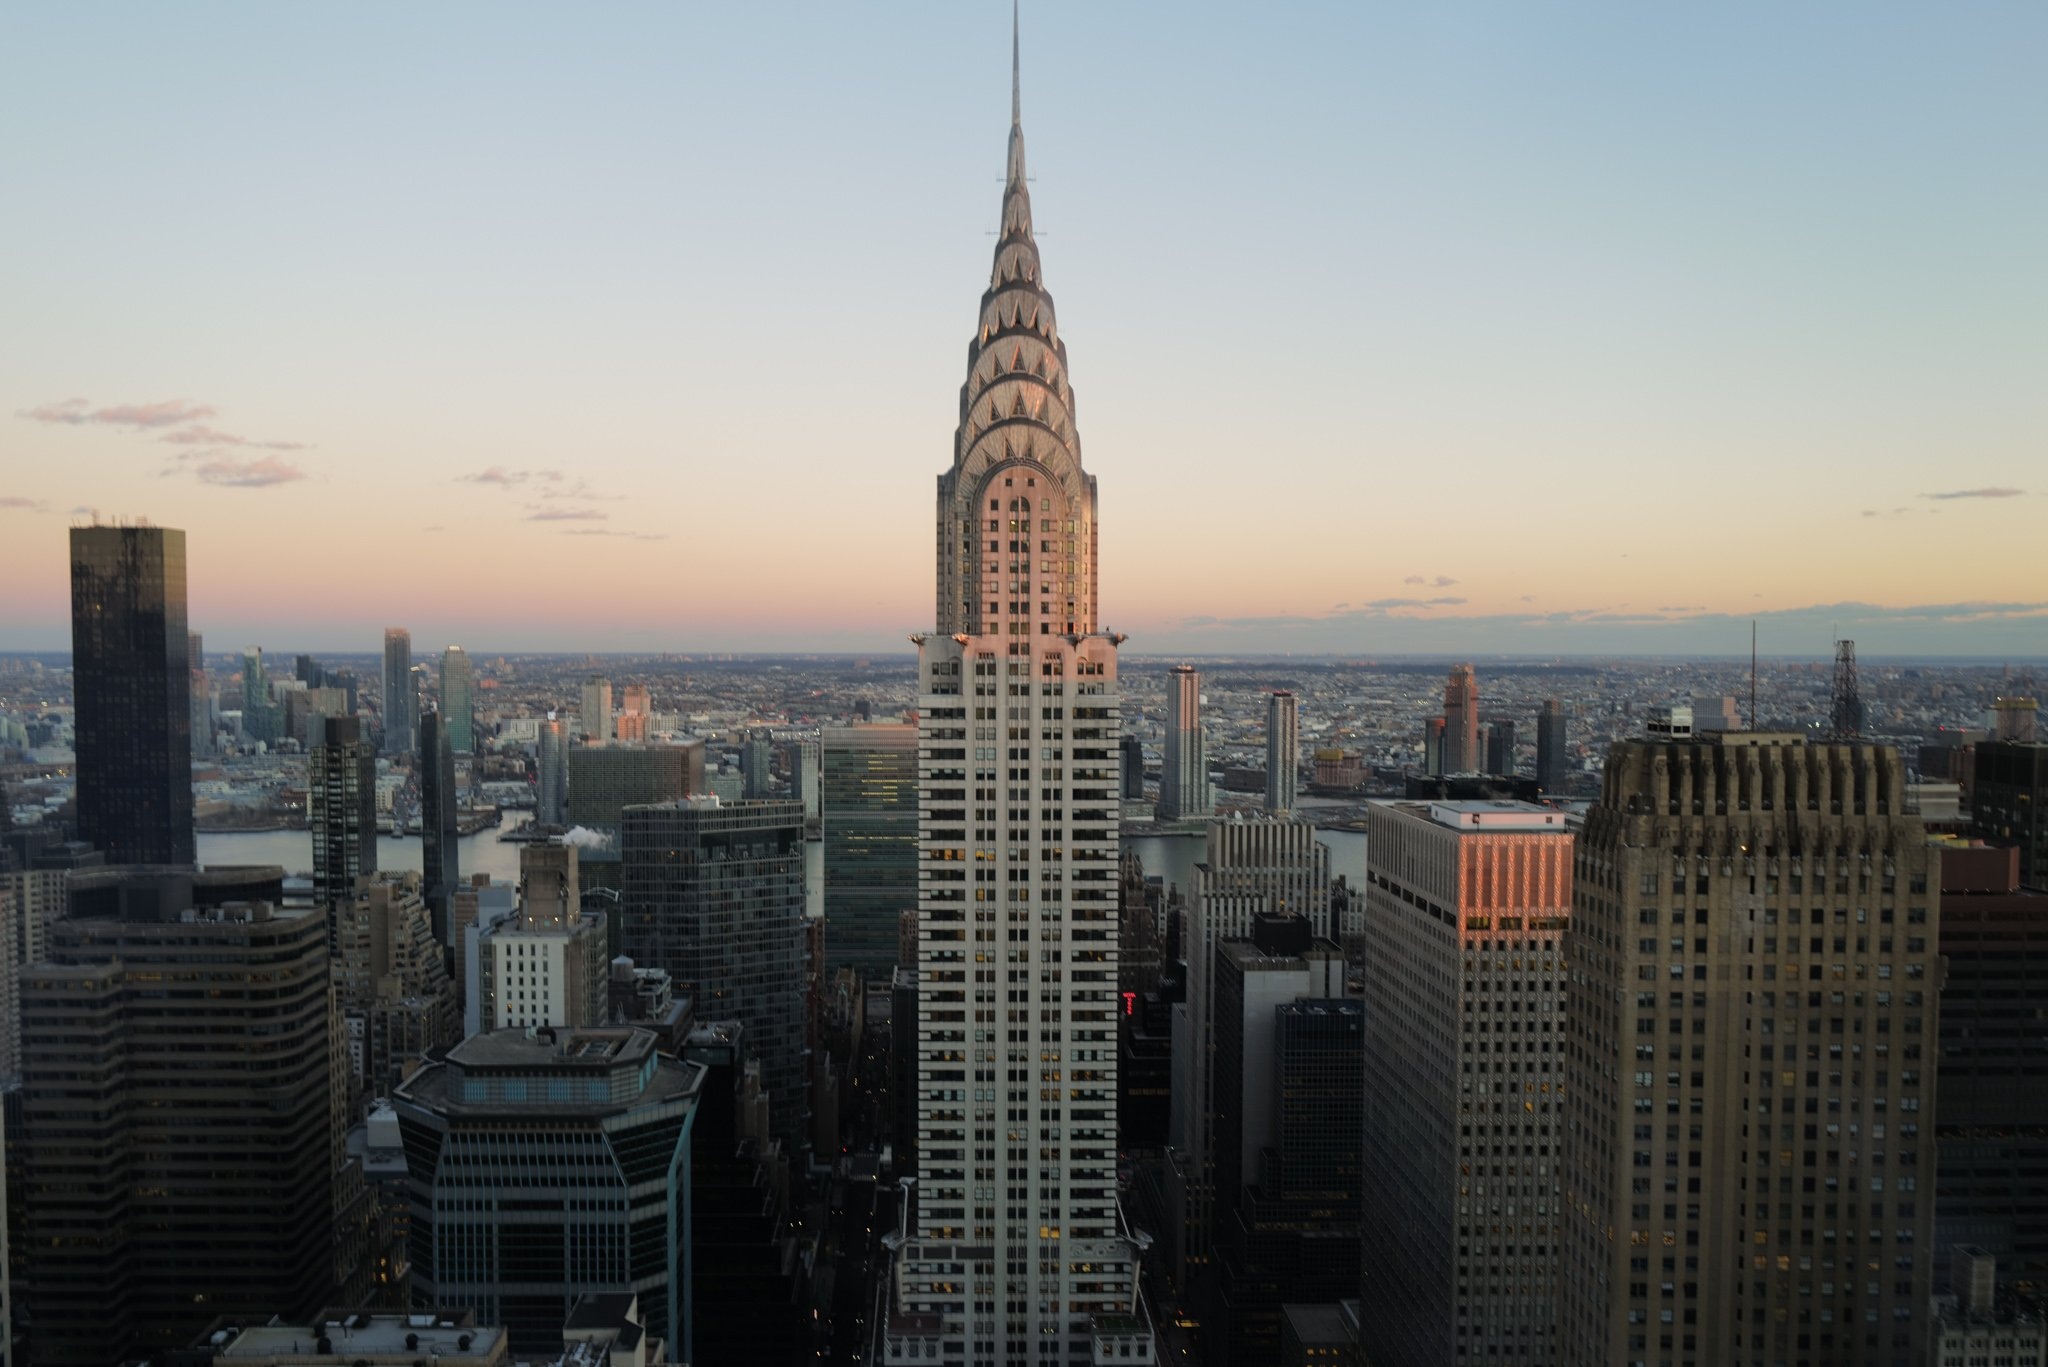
(400, 699)
(1013, 1247)
(1184, 792)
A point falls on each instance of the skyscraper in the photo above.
(398, 699)
(549, 964)
(132, 685)
(391, 978)
(636, 712)
(551, 798)
(715, 894)
(440, 832)
(595, 718)
(1283, 750)
(341, 793)
(757, 756)
(1551, 747)
(1500, 747)
(202, 699)
(458, 700)
(180, 1145)
(1461, 721)
(1252, 867)
(1184, 792)
(868, 797)
(2010, 798)
(1750, 1056)
(1464, 1109)
(1013, 1249)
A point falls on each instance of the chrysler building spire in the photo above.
(1016, 511)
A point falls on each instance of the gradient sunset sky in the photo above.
(1436, 328)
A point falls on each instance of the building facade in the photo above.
(458, 700)
(397, 998)
(440, 828)
(131, 682)
(549, 963)
(1013, 1248)
(341, 797)
(551, 769)
(178, 1144)
(714, 893)
(400, 698)
(604, 780)
(1184, 791)
(1553, 754)
(1466, 908)
(1283, 750)
(1751, 1057)
(868, 820)
(595, 717)
(1461, 722)
(595, 1192)
(2009, 805)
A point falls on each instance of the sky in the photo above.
(1533, 328)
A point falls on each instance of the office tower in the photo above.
(604, 780)
(757, 755)
(1012, 1246)
(1461, 721)
(1467, 904)
(477, 905)
(2010, 796)
(179, 1145)
(1433, 745)
(341, 796)
(551, 796)
(458, 700)
(398, 699)
(440, 831)
(549, 963)
(596, 717)
(1552, 748)
(201, 729)
(308, 671)
(1290, 1074)
(1184, 792)
(868, 801)
(397, 998)
(804, 758)
(1991, 1113)
(260, 721)
(131, 683)
(595, 1193)
(1252, 867)
(1131, 762)
(1753, 951)
(715, 895)
(1283, 750)
(1500, 747)
(636, 713)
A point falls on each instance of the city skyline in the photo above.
(516, 290)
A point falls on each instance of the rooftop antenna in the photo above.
(1845, 710)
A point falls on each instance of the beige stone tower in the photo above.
(1751, 1059)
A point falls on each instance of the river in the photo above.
(293, 850)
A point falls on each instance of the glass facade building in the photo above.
(341, 791)
(868, 818)
(458, 700)
(440, 857)
(714, 894)
(132, 683)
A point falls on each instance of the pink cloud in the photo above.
(568, 515)
(201, 435)
(34, 505)
(76, 412)
(506, 479)
(261, 473)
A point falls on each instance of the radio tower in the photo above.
(1845, 714)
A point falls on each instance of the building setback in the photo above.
(183, 1100)
(1466, 908)
(1752, 1055)
(132, 684)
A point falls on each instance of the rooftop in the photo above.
(1496, 816)
(441, 1335)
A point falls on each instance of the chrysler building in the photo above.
(1013, 1246)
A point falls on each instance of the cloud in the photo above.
(207, 436)
(567, 515)
(260, 473)
(76, 412)
(34, 505)
(1416, 579)
(580, 490)
(506, 479)
(84, 510)
(624, 536)
(1442, 581)
(1993, 492)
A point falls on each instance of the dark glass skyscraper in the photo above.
(1551, 742)
(439, 860)
(132, 682)
(714, 893)
(400, 701)
(341, 791)
(458, 699)
(868, 801)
